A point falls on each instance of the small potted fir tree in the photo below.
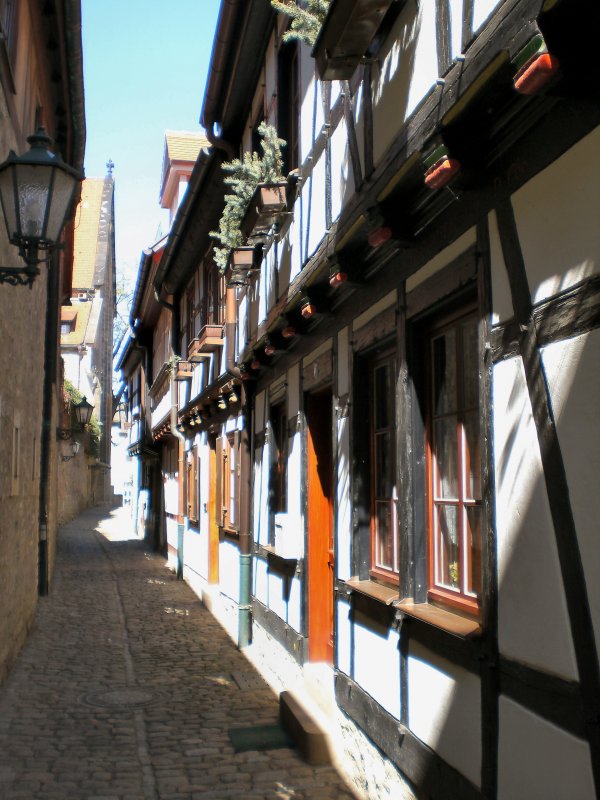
(248, 177)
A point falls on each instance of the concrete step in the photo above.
(306, 725)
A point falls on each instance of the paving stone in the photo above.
(125, 690)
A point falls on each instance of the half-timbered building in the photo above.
(388, 413)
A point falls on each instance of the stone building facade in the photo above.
(40, 83)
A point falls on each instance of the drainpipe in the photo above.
(50, 369)
(245, 540)
(182, 471)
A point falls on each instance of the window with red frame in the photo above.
(454, 461)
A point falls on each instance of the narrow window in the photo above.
(230, 489)
(384, 541)
(278, 483)
(454, 461)
(288, 104)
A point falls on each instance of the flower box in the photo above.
(208, 340)
(185, 370)
(266, 208)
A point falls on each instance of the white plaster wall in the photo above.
(162, 409)
(78, 371)
(533, 623)
(482, 10)
(343, 555)
(316, 197)
(574, 381)
(171, 526)
(444, 710)
(270, 268)
(294, 605)
(557, 219)
(229, 570)
(343, 637)
(359, 125)
(311, 110)
(538, 761)
(502, 307)
(293, 238)
(242, 324)
(171, 494)
(261, 495)
(442, 259)
(342, 177)
(391, 86)
(195, 553)
(376, 665)
(425, 71)
(275, 594)
(261, 581)
(295, 518)
(456, 17)
(343, 378)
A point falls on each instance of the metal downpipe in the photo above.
(182, 471)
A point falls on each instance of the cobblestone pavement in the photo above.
(128, 686)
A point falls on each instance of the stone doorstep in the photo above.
(308, 728)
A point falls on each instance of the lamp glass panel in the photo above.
(34, 185)
(62, 195)
(7, 197)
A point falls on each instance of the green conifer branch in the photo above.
(243, 176)
(307, 17)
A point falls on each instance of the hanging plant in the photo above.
(307, 17)
(244, 175)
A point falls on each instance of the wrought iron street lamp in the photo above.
(36, 193)
(83, 412)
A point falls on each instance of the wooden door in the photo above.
(320, 526)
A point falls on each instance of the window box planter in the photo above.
(208, 340)
(267, 207)
(185, 371)
(242, 262)
(346, 36)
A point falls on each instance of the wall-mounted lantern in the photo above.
(75, 447)
(36, 193)
(83, 412)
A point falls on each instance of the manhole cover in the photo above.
(124, 698)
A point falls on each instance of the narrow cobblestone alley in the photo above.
(126, 689)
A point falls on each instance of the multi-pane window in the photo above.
(384, 541)
(278, 483)
(454, 462)
(192, 484)
(230, 481)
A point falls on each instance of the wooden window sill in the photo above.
(230, 533)
(376, 591)
(440, 618)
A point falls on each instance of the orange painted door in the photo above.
(320, 526)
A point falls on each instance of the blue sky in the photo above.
(145, 66)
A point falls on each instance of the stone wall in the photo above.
(22, 333)
(75, 483)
